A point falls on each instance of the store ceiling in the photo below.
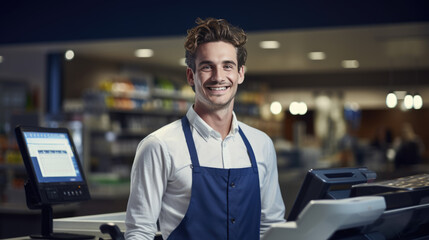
(380, 47)
(400, 46)
(382, 37)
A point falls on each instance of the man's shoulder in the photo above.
(172, 126)
(253, 133)
(166, 133)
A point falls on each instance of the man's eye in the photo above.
(228, 66)
(206, 68)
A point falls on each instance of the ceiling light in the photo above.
(269, 44)
(391, 100)
(417, 101)
(302, 108)
(276, 108)
(350, 64)
(1, 59)
(144, 53)
(298, 108)
(69, 55)
(316, 55)
(408, 101)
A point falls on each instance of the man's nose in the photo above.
(218, 74)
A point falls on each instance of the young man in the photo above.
(207, 176)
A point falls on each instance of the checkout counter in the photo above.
(393, 209)
(333, 204)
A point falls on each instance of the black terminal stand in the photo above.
(113, 230)
(47, 218)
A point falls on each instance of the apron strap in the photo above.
(193, 151)
(191, 145)
(249, 150)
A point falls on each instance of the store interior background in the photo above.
(110, 99)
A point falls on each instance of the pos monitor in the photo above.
(331, 183)
(55, 174)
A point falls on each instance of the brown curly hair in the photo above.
(212, 30)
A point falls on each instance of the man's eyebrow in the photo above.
(204, 62)
(229, 62)
(210, 62)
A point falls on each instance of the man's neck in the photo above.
(219, 120)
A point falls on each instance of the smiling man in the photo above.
(208, 175)
(215, 80)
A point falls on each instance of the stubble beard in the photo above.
(213, 106)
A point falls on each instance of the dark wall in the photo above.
(411, 78)
(52, 21)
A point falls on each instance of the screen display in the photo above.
(331, 183)
(52, 157)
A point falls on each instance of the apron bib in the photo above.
(225, 203)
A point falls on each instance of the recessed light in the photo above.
(316, 55)
(391, 100)
(350, 64)
(144, 53)
(69, 55)
(276, 107)
(418, 101)
(269, 44)
(408, 101)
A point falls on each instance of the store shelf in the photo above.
(117, 116)
(14, 167)
(108, 186)
(18, 105)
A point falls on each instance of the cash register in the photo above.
(350, 204)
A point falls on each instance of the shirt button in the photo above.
(232, 185)
(233, 220)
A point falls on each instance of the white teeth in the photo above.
(218, 88)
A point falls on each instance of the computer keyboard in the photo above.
(399, 192)
(410, 182)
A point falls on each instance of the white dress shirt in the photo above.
(161, 176)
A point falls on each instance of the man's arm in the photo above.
(147, 187)
(272, 205)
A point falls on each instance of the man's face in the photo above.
(216, 76)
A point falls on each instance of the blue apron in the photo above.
(225, 203)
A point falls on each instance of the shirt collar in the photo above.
(204, 129)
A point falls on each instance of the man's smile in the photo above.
(217, 88)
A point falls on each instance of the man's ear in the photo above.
(190, 77)
(241, 75)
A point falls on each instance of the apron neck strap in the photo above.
(249, 150)
(191, 145)
(193, 151)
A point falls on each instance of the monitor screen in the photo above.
(52, 163)
(52, 157)
(332, 183)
